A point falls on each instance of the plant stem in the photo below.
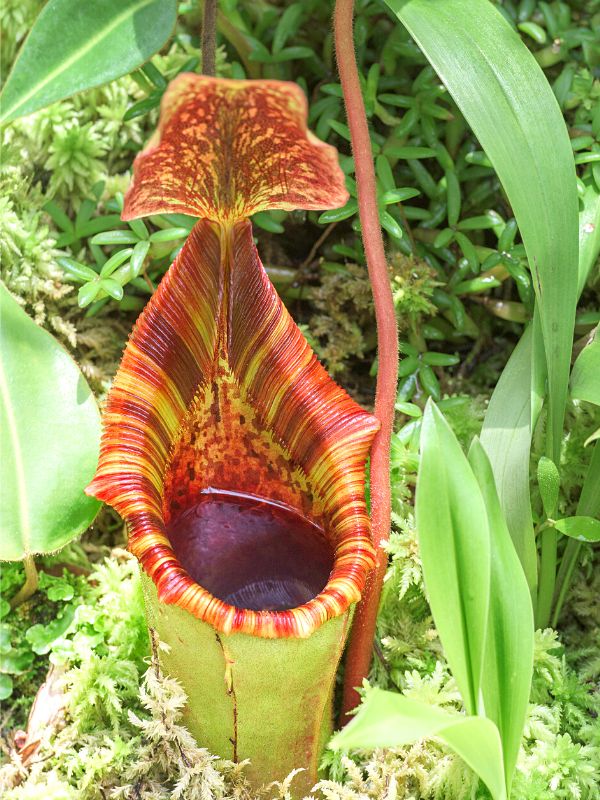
(30, 585)
(209, 37)
(360, 647)
(547, 577)
(587, 506)
(565, 574)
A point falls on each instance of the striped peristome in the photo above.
(217, 387)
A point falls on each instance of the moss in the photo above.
(343, 329)
(16, 19)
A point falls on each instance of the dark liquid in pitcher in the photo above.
(250, 552)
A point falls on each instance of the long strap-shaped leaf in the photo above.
(387, 719)
(508, 660)
(510, 106)
(516, 402)
(506, 437)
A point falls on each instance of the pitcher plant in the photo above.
(235, 460)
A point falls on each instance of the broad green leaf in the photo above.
(386, 719)
(584, 529)
(50, 437)
(455, 551)
(508, 663)
(503, 94)
(76, 45)
(506, 438)
(585, 378)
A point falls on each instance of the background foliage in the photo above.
(463, 291)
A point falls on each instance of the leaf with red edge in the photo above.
(226, 149)
(219, 389)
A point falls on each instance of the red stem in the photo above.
(360, 648)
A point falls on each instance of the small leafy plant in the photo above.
(482, 610)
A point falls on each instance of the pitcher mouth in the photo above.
(235, 613)
(250, 552)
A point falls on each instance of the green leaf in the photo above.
(386, 719)
(338, 214)
(537, 33)
(88, 293)
(398, 195)
(408, 366)
(139, 228)
(115, 237)
(453, 198)
(455, 551)
(41, 637)
(140, 251)
(264, 220)
(480, 223)
(58, 215)
(589, 233)
(155, 75)
(74, 46)
(60, 591)
(508, 662)
(429, 382)
(286, 26)
(94, 226)
(549, 483)
(290, 54)
(50, 429)
(503, 94)
(169, 235)
(112, 288)
(439, 359)
(142, 106)
(410, 409)
(16, 662)
(409, 152)
(585, 378)
(6, 686)
(76, 270)
(389, 224)
(468, 250)
(481, 284)
(5, 634)
(584, 529)
(115, 261)
(506, 438)
(589, 500)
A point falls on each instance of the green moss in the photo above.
(16, 19)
